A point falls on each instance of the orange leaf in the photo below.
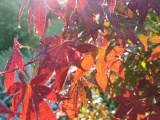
(78, 95)
(113, 62)
(27, 112)
(155, 54)
(86, 64)
(101, 77)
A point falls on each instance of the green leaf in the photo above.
(152, 25)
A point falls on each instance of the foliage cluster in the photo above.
(106, 45)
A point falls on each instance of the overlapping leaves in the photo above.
(39, 10)
(79, 93)
(131, 105)
(57, 55)
(31, 97)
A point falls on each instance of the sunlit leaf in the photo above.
(101, 76)
(14, 61)
(155, 54)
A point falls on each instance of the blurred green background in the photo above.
(9, 10)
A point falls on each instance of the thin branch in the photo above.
(28, 47)
(9, 71)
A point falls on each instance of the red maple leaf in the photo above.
(37, 10)
(14, 61)
(131, 105)
(111, 5)
(155, 115)
(86, 9)
(57, 54)
(78, 97)
(4, 110)
(31, 96)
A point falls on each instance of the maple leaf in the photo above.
(113, 63)
(101, 77)
(37, 10)
(78, 97)
(87, 61)
(86, 9)
(31, 97)
(4, 110)
(14, 61)
(131, 106)
(154, 116)
(57, 55)
(85, 48)
(155, 54)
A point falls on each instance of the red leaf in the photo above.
(152, 117)
(39, 17)
(111, 5)
(74, 57)
(57, 56)
(132, 105)
(85, 48)
(47, 93)
(21, 11)
(27, 111)
(86, 8)
(33, 105)
(142, 9)
(14, 61)
(42, 107)
(122, 110)
(14, 88)
(61, 73)
(70, 6)
(4, 110)
(155, 54)
(55, 7)
(37, 9)
(40, 79)
(17, 99)
(31, 9)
